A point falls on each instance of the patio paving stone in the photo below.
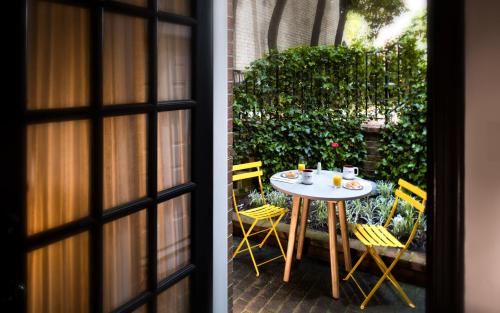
(309, 289)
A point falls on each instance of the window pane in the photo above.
(182, 7)
(175, 299)
(58, 56)
(125, 259)
(124, 149)
(174, 148)
(57, 174)
(58, 277)
(173, 235)
(124, 59)
(174, 62)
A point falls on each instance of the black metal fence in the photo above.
(373, 83)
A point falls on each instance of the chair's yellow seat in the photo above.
(263, 212)
(376, 236)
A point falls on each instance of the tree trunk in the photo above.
(274, 24)
(343, 5)
(318, 19)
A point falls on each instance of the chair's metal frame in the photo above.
(266, 212)
(371, 240)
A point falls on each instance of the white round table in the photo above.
(321, 189)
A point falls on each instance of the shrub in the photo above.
(255, 198)
(281, 143)
(293, 104)
(372, 210)
(375, 211)
(273, 197)
(403, 148)
(276, 198)
(321, 212)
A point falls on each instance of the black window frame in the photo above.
(200, 105)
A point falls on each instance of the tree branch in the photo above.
(343, 4)
(274, 24)
(318, 19)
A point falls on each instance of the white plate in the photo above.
(350, 188)
(291, 177)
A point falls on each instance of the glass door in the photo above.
(114, 208)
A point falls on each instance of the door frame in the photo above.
(445, 142)
(13, 159)
(446, 74)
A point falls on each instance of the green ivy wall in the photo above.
(294, 104)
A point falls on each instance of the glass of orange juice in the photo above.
(337, 181)
(301, 167)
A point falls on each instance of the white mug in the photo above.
(307, 177)
(349, 172)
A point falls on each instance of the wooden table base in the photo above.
(332, 236)
(345, 236)
(332, 240)
(291, 238)
(303, 225)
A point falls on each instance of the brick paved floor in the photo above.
(309, 289)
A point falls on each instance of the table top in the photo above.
(322, 187)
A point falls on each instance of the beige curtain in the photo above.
(174, 148)
(173, 235)
(182, 7)
(58, 56)
(125, 259)
(58, 164)
(124, 59)
(175, 299)
(58, 156)
(58, 277)
(174, 62)
(124, 148)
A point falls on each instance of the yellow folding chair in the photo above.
(379, 236)
(266, 212)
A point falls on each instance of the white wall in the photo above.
(482, 157)
(220, 296)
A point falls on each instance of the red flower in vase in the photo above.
(334, 145)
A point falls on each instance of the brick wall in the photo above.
(252, 18)
(230, 43)
(372, 138)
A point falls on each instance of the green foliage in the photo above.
(403, 148)
(401, 226)
(273, 197)
(385, 189)
(293, 104)
(297, 116)
(375, 211)
(321, 212)
(377, 13)
(372, 210)
(281, 143)
(255, 198)
(356, 30)
(276, 198)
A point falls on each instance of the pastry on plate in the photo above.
(353, 185)
(290, 174)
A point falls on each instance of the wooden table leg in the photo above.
(291, 238)
(303, 225)
(345, 235)
(332, 239)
